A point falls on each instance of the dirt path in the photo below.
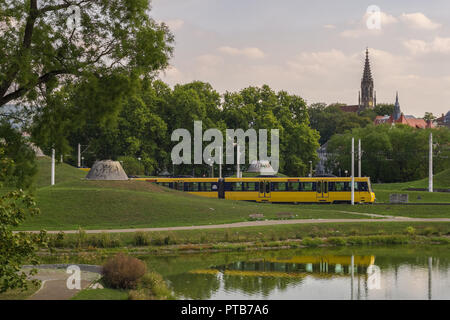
(54, 281)
(259, 224)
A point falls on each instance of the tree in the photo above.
(15, 248)
(41, 49)
(262, 108)
(391, 154)
(22, 168)
(330, 120)
(429, 116)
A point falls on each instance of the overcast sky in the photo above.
(314, 49)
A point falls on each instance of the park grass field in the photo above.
(75, 203)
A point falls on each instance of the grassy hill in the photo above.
(441, 180)
(74, 202)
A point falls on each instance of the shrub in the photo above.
(310, 242)
(337, 241)
(410, 230)
(428, 231)
(57, 240)
(141, 239)
(81, 238)
(123, 271)
(151, 286)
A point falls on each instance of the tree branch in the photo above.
(22, 90)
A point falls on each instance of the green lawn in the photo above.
(441, 180)
(18, 294)
(101, 294)
(74, 202)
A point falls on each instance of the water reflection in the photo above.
(317, 277)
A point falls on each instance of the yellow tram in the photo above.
(274, 189)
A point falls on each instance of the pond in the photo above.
(406, 272)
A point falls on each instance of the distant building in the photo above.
(321, 167)
(367, 97)
(443, 121)
(397, 117)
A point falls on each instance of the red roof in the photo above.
(412, 122)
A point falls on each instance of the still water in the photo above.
(417, 272)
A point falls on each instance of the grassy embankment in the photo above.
(440, 181)
(75, 203)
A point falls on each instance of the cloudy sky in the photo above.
(314, 48)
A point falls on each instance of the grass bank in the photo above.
(252, 236)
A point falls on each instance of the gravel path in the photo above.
(259, 223)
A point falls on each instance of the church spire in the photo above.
(397, 111)
(367, 75)
(367, 96)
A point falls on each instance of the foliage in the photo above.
(132, 166)
(16, 248)
(330, 120)
(123, 271)
(17, 162)
(151, 287)
(40, 50)
(391, 154)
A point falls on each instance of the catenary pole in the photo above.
(353, 172)
(430, 165)
(53, 168)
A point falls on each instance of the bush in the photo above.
(123, 271)
(310, 242)
(131, 165)
(151, 286)
(337, 241)
(141, 239)
(410, 231)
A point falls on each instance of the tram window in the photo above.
(279, 186)
(204, 186)
(237, 186)
(250, 186)
(293, 186)
(307, 186)
(362, 186)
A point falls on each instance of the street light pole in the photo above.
(220, 163)
(310, 168)
(353, 172)
(79, 155)
(53, 167)
(359, 158)
(430, 164)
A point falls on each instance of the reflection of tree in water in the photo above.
(194, 286)
(263, 285)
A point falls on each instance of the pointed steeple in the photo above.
(367, 75)
(397, 112)
(367, 97)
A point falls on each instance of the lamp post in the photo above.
(139, 159)
(310, 168)
(82, 162)
(238, 171)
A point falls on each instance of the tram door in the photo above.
(322, 191)
(264, 189)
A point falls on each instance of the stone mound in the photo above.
(107, 170)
